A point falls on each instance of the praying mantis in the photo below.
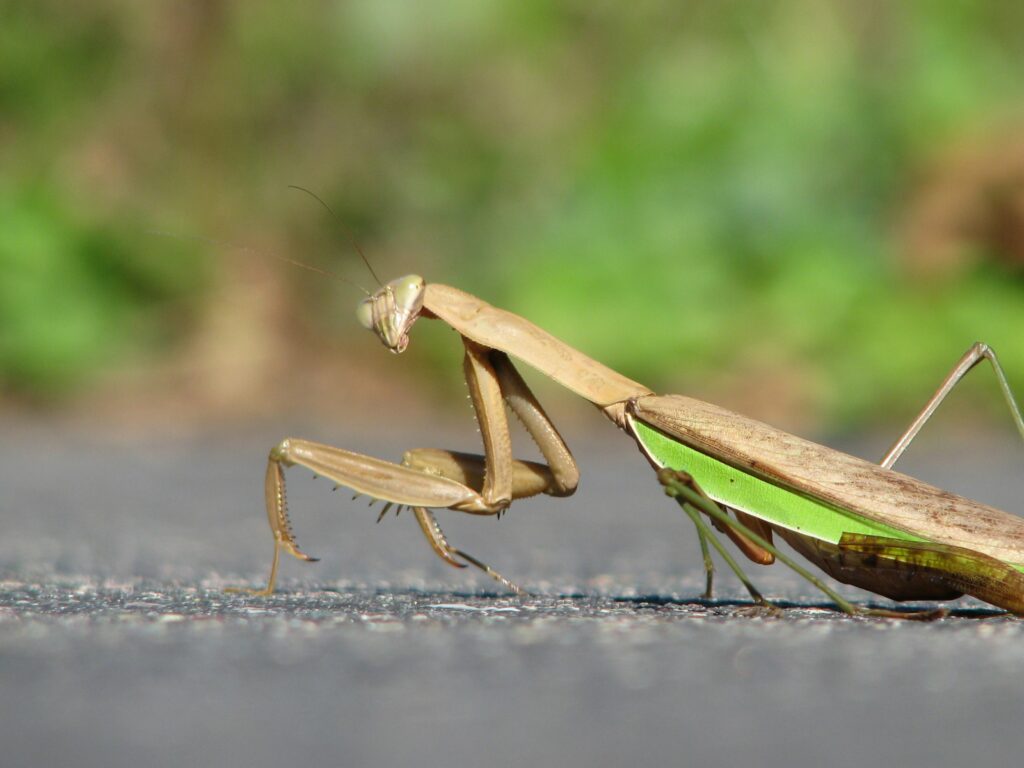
(864, 524)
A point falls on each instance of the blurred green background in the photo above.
(807, 209)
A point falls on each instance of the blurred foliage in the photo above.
(702, 194)
(74, 296)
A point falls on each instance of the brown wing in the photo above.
(867, 489)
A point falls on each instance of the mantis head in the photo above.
(391, 311)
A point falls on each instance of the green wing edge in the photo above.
(759, 498)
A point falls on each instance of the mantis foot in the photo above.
(761, 610)
(932, 614)
(265, 592)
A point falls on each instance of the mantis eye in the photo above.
(408, 291)
(364, 314)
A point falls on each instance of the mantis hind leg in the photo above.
(979, 351)
(684, 489)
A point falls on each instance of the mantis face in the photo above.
(392, 310)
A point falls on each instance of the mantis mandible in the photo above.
(863, 524)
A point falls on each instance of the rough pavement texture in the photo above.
(118, 646)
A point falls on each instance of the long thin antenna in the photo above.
(344, 229)
(261, 254)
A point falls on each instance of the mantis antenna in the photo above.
(344, 229)
(261, 254)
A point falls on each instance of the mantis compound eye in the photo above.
(408, 292)
(364, 314)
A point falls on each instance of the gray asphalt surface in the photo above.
(118, 646)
